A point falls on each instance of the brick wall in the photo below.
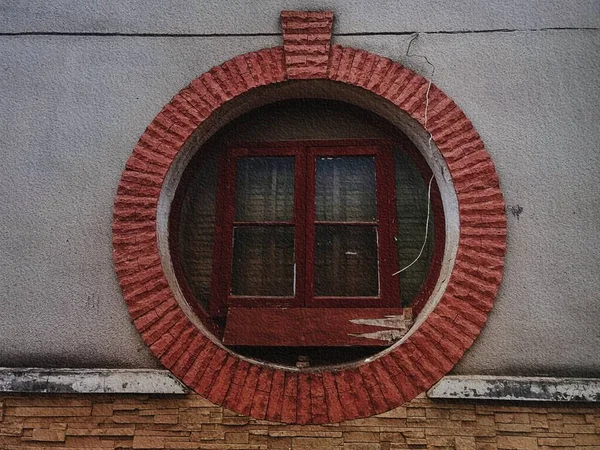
(190, 422)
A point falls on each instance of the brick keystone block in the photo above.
(306, 43)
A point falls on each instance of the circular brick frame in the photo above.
(286, 395)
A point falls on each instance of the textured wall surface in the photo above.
(103, 421)
(80, 84)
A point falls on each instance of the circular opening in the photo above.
(238, 228)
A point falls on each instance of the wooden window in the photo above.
(305, 225)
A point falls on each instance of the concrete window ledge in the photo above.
(89, 381)
(542, 389)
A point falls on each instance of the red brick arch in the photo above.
(280, 395)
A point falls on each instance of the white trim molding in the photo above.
(89, 381)
(541, 389)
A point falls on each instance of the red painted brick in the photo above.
(146, 320)
(290, 395)
(157, 329)
(446, 326)
(452, 351)
(261, 396)
(389, 389)
(366, 70)
(237, 384)
(278, 66)
(334, 406)
(412, 88)
(178, 347)
(402, 77)
(141, 276)
(377, 399)
(248, 390)
(132, 212)
(413, 372)
(176, 111)
(382, 65)
(357, 64)
(431, 351)
(220, 386)
(472, 282)
(181, 325)
(448, 121)
(407, 388)
(234, 81)
(334, 61)
(202, 107)
(209, 376)
(162, 344)
(466, 309)
(267, 65)
(198, 86)
(147, 297)
(303, 405)
(215, 89)
(196, 370)
(427, 365)
(141, 178)
(466, 137)
(189, 356)
(318, 406)
(348, 399)
(190, 111)
(412, 103)
(276, 396)
(255, 69)
(345, 64)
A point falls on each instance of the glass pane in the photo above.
(346, 261)
(263, 261)
(197, 226)
(345, 189)
(411, 208)
(265, 189)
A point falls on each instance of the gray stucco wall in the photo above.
(80, 83)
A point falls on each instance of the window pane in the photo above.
(265, 189)
(411, 207)
(197, 227)
(263, 261)
(345, 189)
(346, 261)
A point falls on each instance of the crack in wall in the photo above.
(224, 35)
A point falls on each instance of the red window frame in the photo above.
(304, 221)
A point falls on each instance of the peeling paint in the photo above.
(388, 336)
(400, 325)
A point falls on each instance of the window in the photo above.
(306, 225)
(306, 235)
